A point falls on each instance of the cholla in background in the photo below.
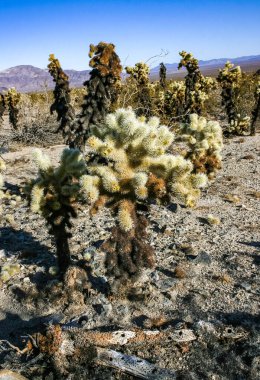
(256, 109)
(134, 168)
(54, 194)
(205, 142)
(230, 80)
(174, 103)
(102, 90)
(162, 75)
(12, 99)
(2, 168)
(141, 87)
(197, 86)
(62, 101)
(2, 107)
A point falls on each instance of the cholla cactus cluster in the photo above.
(62, 102)
(230, 79)
(256, 109)
(102, 90)
(205, 144)
(134, 168)
(54, 195)
(12, 99)
(197, 86)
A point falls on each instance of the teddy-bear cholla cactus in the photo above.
(135, 168)
(62, 101)
(230, 80)
(205, 142)
(256, 109)
(197, 86)
(175, 99)
(2, 106)
(12, 99)
(54, 194)
(102, 90)
(162, 75)
(139, 76)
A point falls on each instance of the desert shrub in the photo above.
(205, 143)
(2, 107)
(54, 195)
(197, 86)
(131, 167)
(231, 81)
(12, 100)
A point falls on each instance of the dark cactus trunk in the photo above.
(62, 247)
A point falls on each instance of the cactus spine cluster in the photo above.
(12, 99)
(197, 86)
(102, 90)
(54, 195)
(62, 102)
(256, 109)
(230, 79)
(134, 168)
(205, 144)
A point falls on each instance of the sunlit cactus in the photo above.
(205, 143)
(12, 99)
(230, 80)
(139, 76)
(54, 195)
(256, 109)
(174, 103)
(102, 90)
(197, 86)
(135, 168)
(162, 74)
(62, 101)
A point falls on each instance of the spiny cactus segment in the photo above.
(2, 106)
(54, 195)
(62, 101)
(205, 144)
(197, 86)
(135, 168)
(102, 89)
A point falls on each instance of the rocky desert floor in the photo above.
(196, 315)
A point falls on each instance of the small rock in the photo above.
(246, 286)
(203, 258)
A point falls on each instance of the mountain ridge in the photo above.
(28, 78)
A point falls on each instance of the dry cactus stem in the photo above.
(62, 100)
(2, 106)
(197, 86)
(12, 99)
(139, 75)
(102, 90)
(205, 144)
(256, 109)
(162, 74)
(54, 194)
(134, 168)
(230, 80)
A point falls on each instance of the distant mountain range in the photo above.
(27, 78)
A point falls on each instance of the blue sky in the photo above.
(30, 30)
